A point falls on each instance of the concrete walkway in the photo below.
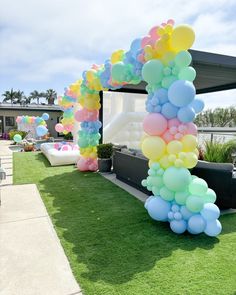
(32, 260)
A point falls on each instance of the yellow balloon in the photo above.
(179, 163)
(190, 160)
(182, 38)
(174, 147)
(189, 143)
(117, 56)
(153, 147)
(164, 162)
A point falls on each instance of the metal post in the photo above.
(101, 116)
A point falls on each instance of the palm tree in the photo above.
(219, 117)
(50, 96)
(9, 96)
(20, 97)
(35, 95)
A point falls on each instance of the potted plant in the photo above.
(104, 152)
(29, 147)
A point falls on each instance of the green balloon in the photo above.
(181, 197)
(177, 179)
(166, 194)
(183, 59)
(152, 71)
(155, 191)
(198, 187)
(194, 204)
(210, 196)
(118, 72)
(188, 74)
(167, 81)
(17, 138)
(156, 181)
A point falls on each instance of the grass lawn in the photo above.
(115, 248)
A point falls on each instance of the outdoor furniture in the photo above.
(131, 167)
(58, 158)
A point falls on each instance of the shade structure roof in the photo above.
(215, 72)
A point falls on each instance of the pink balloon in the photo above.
(59, 127)
(154, 124)
(145, 41)
(75, 147)
(183, 128)
(86, 115)
(66, 147)
(68, 127)
(153, 33)
(192, 128)
(173, 130)
(178, 136)
(167, 137)
(173, 123)
(56, 146)
(87, 164)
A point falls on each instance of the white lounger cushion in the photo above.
(58, 158)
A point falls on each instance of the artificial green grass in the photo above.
(115, 248)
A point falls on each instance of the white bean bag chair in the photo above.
(59, 157)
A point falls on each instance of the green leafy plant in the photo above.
(105, 150)
(219, 152)
(12, 133)
(68, 136)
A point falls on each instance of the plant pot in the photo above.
(29, 148)
(104, 165)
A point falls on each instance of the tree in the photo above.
(50, 96)
(35, 95)
(219, 117)
(10, 96)
(20, 97)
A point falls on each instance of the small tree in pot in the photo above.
(104, 152)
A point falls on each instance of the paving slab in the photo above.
(32, 260)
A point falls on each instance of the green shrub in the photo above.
(68, 136)
(105, 150)
(219, 152)
(12, 133)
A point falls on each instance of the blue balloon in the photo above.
(186, 214)
(38, 120)
(158, 208)
(135, 45)
(213, 228)
(181, 93)
(41, 130)
(196, 224)
(178, 226)
(210, 211)
(169, 110)
(186, 114)
(198, 105)
(45, 116)
(162, 95)
(147, 201)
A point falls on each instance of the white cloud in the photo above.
(42, 40)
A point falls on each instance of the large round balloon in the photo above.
(59, 127)
(182, 38)
(158, 208)
(152, 71)
(153, 147)
(154, 124)
(176, 179)
(41, 130)
(17, 138)
(181, 93)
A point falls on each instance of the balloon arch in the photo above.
(161, 59)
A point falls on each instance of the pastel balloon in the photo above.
(196, 224)
(59, 127)
(191, 128)
(174, 147)
(154, 124)
(181, 197)
(169, 110)
(158, 208)
(198, 105)
(213, 228)
(41, 130)
(198, 186)
(153, 147)
(189, 142)
(45, 116)
(186, 214)
(181, 93)
(186, 114)
(182, 38)
(210, 211)
(210, 196)
(167, 136)
(176, 179)
(152, 71)
(183, 59)
(173, 123)
(178, 226)
(187, 73)
(194, 203)
(17, 138)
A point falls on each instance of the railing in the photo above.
(217, 130)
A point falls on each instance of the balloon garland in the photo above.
(35, 124)
(162, 60)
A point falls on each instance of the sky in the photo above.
(49, 43)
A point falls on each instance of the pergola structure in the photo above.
(215, 72)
